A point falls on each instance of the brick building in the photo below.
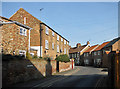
(76, 52)
(44, 42)
(15, 37)
(88, 57)
(98, 54)
(113, 45)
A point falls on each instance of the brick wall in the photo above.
(34, 23)
(21, 70)
(65, 66)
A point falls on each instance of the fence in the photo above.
(114, 70)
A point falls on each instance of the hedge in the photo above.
(63, 58)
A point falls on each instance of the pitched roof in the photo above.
(101, 46)
(75, 49)
(21, 9)
(13, 22)
(112, 42)
(91, 48)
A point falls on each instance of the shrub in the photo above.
(35, 57)
(63, 58)
(28, 56)
(47, 58)
(40, 57)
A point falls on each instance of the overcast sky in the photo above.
(76, 21)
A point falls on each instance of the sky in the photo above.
(78, 22)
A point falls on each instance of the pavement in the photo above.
(84, 77)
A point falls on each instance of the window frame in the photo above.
(47, 30)
(53, 33)
(52, 45)
(57, 37)
(57, 48)
(23, 31)
(46, 44)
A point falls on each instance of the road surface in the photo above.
(84, 77)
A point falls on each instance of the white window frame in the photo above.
(95, 53)
(64, 41)
(20, 52)
(52, 45)
(46, 44)
(47, 30)
(87, 54)
(57, 37)
(23, 31)
(24, 20)
(57, 48)
(32, 54)
(84, 54)
(53, 33)
(64, 50)
(61, 39)
(98, 52)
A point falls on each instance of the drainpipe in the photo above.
(29, 40)
(40, 38)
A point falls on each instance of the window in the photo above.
(87, 54)
(67, 42)
(22, 53)
(78, 55)
(61, 39)
(47, 30)
(24, 20)
(94, 53)
(64, 50)
(64, 41)
(52, 33)
(32, 54)
(98, 52)
(52, 45)
(57, 48)
(46, 44)
(84, 54)
(58, 37)
(23, 31)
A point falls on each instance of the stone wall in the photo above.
(12, 40)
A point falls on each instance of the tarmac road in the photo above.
(82, 77)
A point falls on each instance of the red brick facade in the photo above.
(24, 17)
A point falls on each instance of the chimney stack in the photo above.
(78, 45)
(88, 42)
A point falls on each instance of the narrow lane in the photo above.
(85, 77)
